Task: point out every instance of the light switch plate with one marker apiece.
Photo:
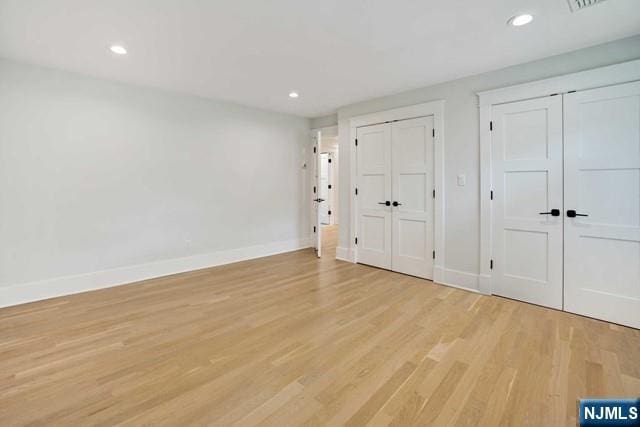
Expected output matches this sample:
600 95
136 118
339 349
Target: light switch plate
462 180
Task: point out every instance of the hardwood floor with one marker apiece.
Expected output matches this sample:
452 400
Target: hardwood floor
295 340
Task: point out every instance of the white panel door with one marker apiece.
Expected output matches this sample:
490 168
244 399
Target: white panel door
412 204
374 191
316 190
602 181
526 147
324 189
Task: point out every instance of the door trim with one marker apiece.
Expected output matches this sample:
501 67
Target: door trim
590 79
435 109
315 135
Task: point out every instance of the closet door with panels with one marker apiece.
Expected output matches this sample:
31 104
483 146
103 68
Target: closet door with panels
602 203
374 195
527 200
412 181
395 172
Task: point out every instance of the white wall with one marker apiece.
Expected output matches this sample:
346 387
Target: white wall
98 175
462 204
324 121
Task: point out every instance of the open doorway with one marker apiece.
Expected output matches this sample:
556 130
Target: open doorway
326 192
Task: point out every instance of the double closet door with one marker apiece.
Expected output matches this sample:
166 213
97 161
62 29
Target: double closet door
566 202
395 173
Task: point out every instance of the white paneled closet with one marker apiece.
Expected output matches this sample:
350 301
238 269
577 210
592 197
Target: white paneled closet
395 184
565 208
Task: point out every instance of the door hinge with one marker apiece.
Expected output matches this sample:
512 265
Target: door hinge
356 240
329 160
314 189
329 186
434 194
314 149
314 228
434 254
491 125
491 265
572 91
491 194
356 191
433 132
554 94
329 213
356 142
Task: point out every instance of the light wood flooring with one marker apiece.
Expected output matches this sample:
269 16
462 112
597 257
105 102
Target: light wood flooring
295 340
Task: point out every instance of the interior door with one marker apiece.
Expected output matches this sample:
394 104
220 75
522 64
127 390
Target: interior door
526 147
316 192
324 189
374 195
412 204
602 202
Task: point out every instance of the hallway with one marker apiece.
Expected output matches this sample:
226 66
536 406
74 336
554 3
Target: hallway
329 241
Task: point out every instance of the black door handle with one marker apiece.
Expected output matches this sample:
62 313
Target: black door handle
396 204
572 214
387 203
318 200
552 212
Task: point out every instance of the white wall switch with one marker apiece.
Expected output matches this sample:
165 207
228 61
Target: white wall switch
462 180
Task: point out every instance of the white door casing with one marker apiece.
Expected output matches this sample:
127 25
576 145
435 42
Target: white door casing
433 109
602 180
526 149
582 80
317 198
412 189
374 190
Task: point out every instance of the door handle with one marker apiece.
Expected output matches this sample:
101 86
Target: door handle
572 214
387 203
318 200
396 204
552 212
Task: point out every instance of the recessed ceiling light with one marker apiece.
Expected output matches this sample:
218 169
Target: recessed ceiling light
120 50
520 20
293 94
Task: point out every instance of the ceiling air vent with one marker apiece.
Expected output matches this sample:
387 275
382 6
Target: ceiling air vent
576 5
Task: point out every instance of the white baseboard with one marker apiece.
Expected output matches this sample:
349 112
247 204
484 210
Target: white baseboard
444 276
457 279
345 254
484 284
438 274
67 285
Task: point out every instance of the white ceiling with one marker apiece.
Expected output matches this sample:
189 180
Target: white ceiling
334 52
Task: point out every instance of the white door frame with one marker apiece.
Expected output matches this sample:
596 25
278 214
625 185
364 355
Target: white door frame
317 226
435 109
590 79
315 139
